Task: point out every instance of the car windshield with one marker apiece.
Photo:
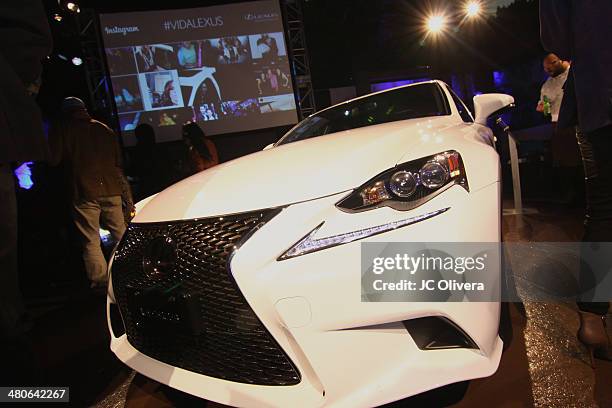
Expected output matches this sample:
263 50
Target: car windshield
410 102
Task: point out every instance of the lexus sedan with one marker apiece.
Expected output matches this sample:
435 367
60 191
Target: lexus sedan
242 283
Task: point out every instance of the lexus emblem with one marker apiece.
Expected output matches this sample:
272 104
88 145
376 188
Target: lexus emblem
159 256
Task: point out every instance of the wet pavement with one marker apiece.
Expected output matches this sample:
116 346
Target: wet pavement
543 364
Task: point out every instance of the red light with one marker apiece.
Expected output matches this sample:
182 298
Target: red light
452 160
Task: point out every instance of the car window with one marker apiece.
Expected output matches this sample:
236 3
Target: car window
465 113
410 102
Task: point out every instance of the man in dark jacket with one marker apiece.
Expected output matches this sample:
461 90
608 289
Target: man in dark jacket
581 31
92 158
25 39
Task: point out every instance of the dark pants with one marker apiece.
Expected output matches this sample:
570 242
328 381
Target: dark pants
19 364
596 152
87 216
11 305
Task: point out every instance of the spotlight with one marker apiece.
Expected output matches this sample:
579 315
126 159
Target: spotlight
69 5
77 61
436 24
473 9
73 7
57 17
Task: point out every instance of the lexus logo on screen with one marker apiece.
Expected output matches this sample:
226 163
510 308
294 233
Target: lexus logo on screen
261 17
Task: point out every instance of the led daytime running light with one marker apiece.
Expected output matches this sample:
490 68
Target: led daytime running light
309 244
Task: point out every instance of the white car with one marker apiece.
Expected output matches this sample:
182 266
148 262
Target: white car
241 284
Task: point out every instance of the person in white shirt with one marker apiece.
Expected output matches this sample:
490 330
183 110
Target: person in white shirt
551 94
564 150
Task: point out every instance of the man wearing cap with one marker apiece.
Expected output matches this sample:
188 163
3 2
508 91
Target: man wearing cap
92 158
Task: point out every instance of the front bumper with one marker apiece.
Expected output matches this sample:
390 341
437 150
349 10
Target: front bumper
349 353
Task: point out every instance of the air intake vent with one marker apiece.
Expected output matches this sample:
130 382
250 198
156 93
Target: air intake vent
436 333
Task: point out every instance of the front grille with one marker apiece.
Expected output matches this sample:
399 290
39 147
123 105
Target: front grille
184 308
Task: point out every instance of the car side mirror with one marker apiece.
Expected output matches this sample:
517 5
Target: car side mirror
486 105
271 145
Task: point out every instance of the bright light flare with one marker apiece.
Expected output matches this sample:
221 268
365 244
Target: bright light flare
436 24
73 7
473 9
77 61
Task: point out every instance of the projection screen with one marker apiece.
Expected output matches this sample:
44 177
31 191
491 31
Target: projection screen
225 67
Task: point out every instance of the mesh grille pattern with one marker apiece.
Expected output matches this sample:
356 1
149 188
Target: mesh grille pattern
191 314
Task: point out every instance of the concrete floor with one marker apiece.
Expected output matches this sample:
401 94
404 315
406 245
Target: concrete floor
543 364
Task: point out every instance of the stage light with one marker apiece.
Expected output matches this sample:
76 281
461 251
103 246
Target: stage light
436 24
473 9
57 17
77 61
73 7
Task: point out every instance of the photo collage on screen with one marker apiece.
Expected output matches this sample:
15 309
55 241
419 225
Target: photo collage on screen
211 80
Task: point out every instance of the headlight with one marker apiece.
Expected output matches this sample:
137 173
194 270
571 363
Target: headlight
404 183
408 185
434 175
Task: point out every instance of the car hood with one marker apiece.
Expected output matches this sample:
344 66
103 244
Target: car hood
291 173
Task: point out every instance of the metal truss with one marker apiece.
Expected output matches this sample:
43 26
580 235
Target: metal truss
298 54
98 83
